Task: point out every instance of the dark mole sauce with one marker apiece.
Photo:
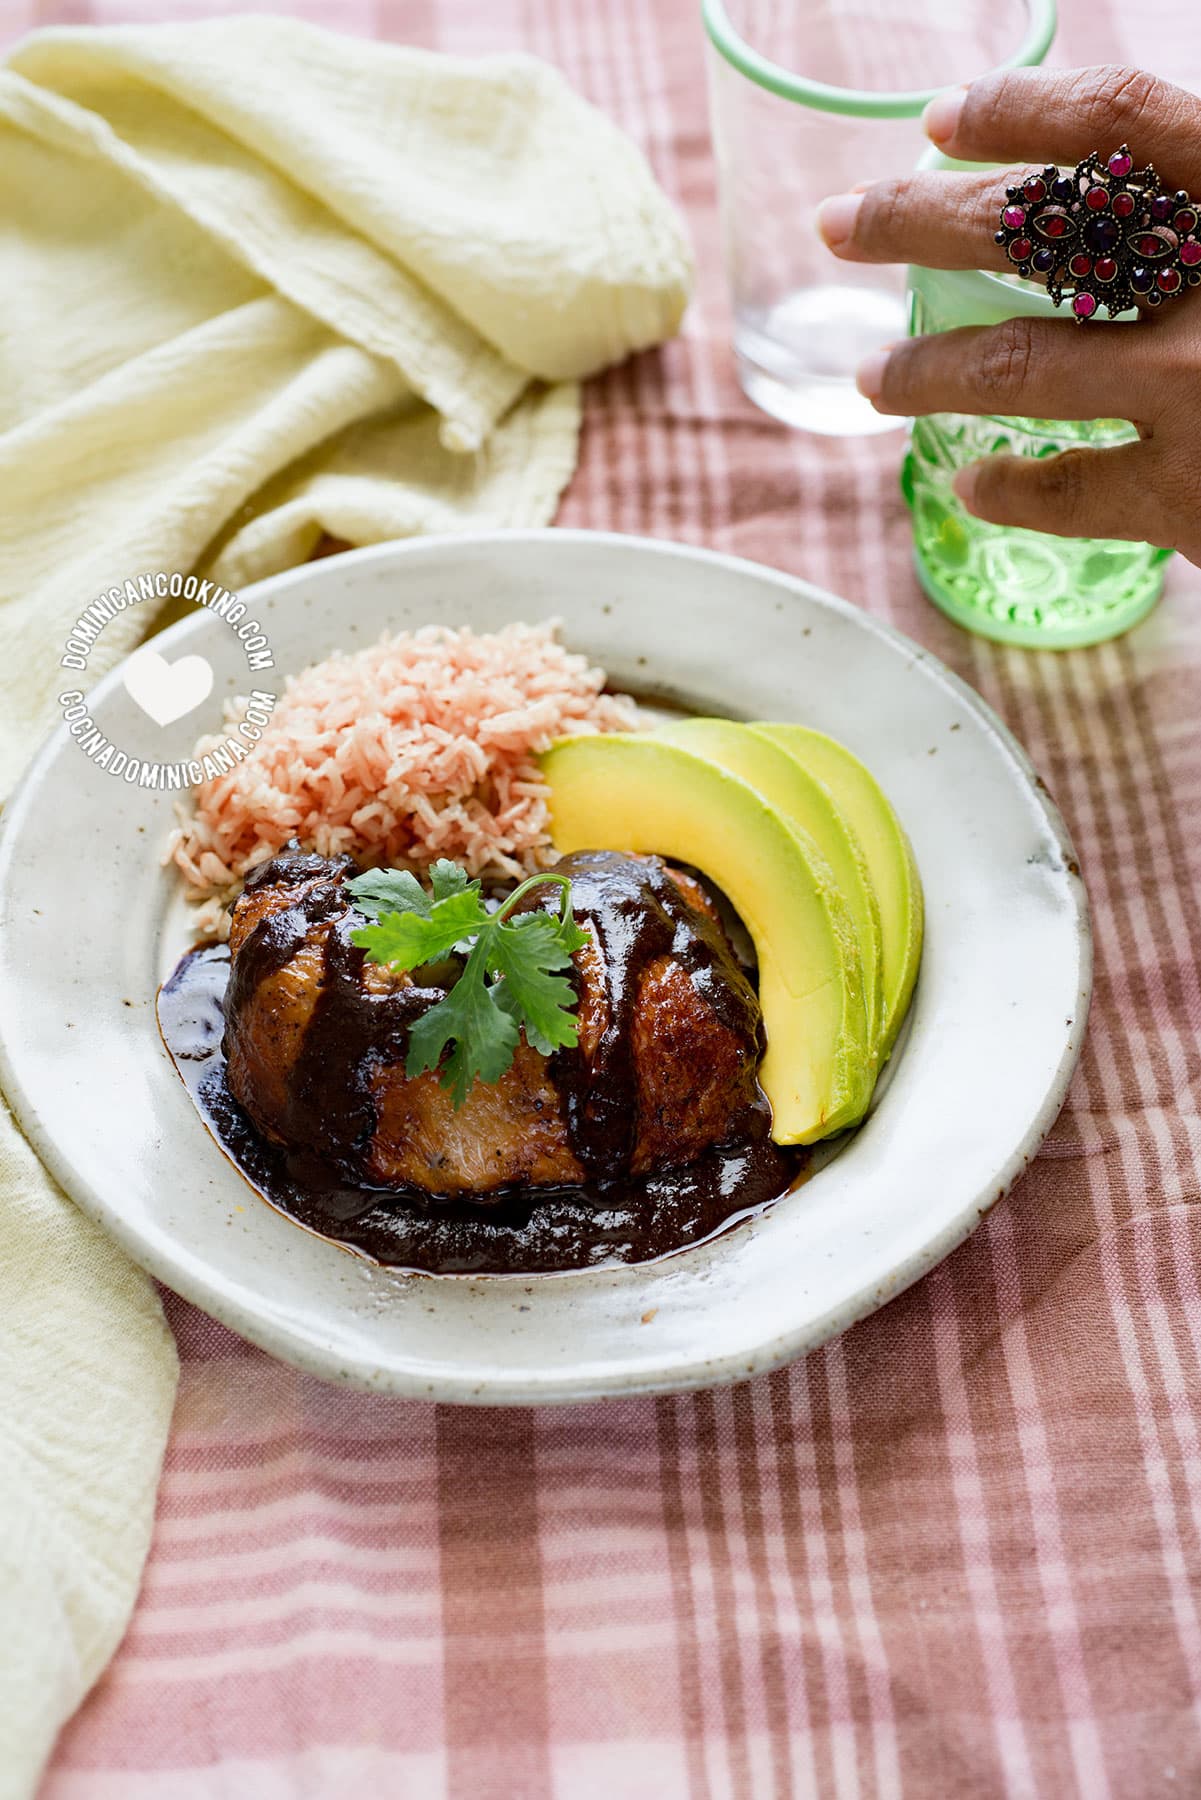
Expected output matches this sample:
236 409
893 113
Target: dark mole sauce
637 913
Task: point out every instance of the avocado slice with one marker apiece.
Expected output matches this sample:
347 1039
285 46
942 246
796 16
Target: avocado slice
889 856
637 793
788 786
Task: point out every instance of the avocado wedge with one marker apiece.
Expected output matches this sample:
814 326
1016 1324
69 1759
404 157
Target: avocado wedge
889 856
788 786
639 793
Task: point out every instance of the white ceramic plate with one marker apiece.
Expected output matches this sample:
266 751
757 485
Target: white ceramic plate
90 923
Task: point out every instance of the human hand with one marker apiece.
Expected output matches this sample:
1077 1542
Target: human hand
1045 368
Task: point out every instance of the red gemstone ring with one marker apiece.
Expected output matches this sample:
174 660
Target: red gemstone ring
1104 234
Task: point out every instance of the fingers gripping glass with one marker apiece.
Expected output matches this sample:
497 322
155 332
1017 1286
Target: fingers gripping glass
1017 587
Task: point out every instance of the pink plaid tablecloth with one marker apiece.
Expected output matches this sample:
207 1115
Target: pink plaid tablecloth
956 1553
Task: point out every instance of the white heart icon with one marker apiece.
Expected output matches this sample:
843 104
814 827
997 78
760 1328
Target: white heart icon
167 691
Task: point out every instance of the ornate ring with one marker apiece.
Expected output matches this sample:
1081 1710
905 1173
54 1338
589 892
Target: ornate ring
1103 234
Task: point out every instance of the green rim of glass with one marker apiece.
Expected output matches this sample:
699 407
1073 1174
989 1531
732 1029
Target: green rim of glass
818 94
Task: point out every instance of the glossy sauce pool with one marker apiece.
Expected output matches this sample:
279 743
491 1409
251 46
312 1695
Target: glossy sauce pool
519 1231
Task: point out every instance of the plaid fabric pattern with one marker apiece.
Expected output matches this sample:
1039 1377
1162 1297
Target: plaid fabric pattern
954 1554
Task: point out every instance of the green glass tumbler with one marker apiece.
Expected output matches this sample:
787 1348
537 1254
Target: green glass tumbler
1019 587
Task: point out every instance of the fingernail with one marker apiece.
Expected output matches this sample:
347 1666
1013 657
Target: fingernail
869 376
964 483
942 115
836 219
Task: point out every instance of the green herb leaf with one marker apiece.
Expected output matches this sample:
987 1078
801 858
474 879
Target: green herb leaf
446 878
382 891
525 951
405 940
482 1017
485 1036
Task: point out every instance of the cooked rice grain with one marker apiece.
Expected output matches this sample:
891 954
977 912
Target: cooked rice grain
422 746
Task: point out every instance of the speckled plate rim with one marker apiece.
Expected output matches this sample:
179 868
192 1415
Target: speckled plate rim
305 1349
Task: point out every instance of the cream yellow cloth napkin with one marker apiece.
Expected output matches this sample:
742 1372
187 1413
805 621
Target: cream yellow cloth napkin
257 282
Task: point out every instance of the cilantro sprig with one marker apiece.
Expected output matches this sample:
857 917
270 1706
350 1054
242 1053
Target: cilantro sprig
510 982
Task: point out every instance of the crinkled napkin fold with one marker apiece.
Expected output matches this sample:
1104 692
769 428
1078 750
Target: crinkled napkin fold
257 282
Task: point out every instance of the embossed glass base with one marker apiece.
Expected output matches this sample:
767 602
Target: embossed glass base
1020 587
